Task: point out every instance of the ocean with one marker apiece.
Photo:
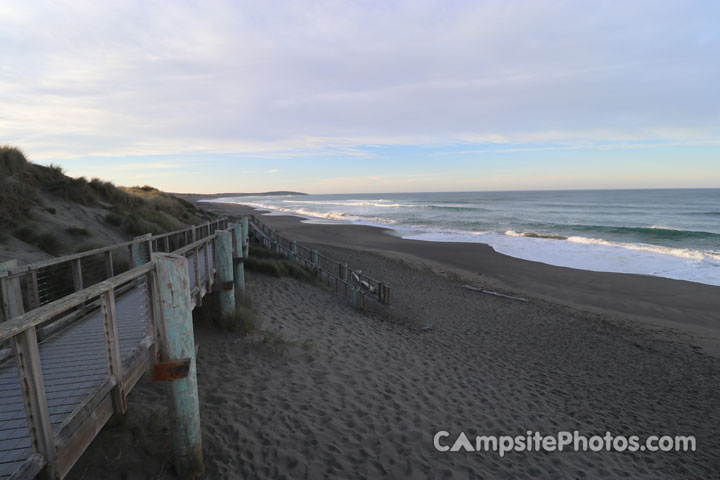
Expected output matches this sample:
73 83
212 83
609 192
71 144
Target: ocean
667 233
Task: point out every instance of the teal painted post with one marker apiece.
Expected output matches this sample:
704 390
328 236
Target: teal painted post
177 342
224 267
238 261
136 250
358 298
315 257
245 237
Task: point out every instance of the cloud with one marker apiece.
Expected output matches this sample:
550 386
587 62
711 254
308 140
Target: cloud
273 171
295 80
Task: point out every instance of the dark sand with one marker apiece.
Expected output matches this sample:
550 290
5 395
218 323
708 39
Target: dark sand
358 395
690 307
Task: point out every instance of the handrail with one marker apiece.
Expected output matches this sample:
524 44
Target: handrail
166 279
24 269
47 312
192 246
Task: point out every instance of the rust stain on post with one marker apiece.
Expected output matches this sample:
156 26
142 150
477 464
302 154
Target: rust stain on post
171 370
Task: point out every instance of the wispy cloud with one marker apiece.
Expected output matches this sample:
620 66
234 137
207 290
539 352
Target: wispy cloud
301 80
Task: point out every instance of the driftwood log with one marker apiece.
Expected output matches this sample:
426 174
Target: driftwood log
482 290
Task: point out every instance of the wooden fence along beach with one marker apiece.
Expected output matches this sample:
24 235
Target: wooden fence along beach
79 332
350 283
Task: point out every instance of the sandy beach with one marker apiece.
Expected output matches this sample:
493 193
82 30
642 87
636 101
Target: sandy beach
688 307
330 392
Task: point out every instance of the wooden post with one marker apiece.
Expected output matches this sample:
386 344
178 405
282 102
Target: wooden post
194 235
112 343
224 267
136 250
77 275
31 376
34 290
208 271
167 244
109 268
196 268
294 249
245 237
315 259
238 261
177 342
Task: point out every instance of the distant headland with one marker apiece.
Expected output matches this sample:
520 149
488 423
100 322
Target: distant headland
206 196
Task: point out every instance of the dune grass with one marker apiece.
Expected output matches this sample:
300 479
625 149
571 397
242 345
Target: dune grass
28 191
78 232
47 241
243 321
263 260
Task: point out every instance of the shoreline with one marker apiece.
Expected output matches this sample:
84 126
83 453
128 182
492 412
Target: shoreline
323 390
690 307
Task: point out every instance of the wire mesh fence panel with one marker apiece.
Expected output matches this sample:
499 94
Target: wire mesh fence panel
120 260
201 264
2 310
191 268
55 282
94 269
133 317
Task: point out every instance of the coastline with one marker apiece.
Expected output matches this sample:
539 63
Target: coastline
690 307
341 393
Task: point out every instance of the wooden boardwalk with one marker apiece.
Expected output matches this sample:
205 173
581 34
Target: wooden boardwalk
75 364
84 335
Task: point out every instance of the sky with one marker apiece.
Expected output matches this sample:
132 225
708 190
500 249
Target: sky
364 96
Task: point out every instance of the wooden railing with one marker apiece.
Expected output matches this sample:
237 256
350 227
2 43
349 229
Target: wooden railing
49 280
351 283
145 315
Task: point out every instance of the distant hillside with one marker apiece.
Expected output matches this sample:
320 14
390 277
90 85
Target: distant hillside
43 212
207 196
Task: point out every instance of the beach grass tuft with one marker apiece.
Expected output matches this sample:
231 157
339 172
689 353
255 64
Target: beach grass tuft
275 343
78 232
262 260
50 243
113 219
46 241
243 321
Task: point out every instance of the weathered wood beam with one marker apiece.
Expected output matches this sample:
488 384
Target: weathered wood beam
112 343
27 356
35 317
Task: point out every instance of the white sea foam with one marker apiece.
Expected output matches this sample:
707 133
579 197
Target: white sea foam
574 251
352 203
597 255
